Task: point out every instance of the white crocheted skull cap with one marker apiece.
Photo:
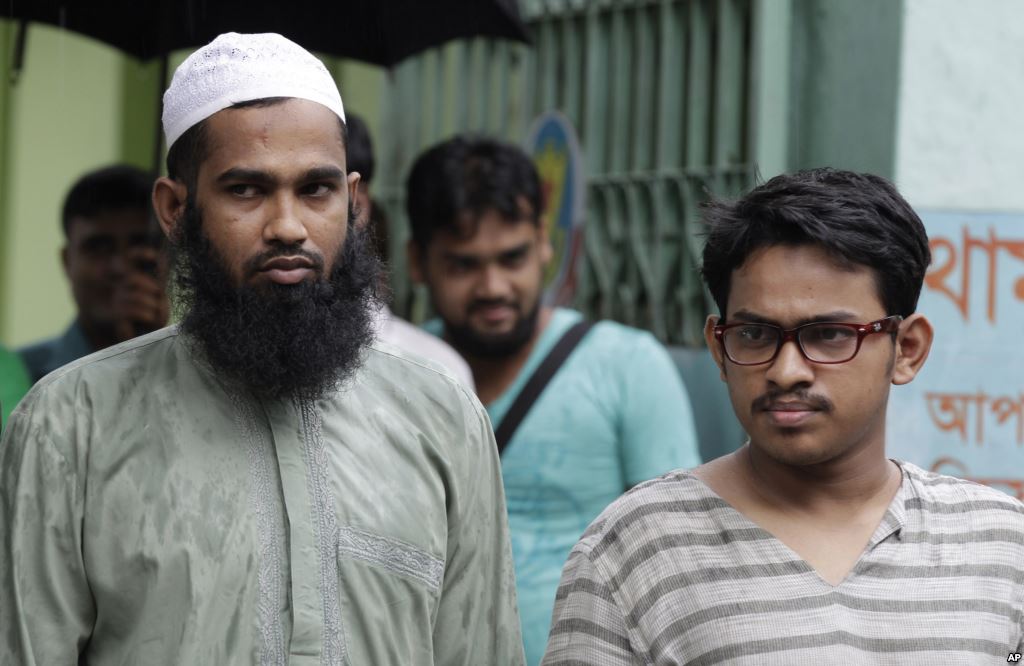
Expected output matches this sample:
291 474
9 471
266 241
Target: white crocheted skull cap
237 68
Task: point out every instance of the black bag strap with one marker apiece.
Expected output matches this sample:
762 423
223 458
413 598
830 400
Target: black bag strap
538 380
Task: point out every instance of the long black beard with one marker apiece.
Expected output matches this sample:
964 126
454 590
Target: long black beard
278 341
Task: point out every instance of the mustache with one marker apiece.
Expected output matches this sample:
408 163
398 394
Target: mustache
483 303
814 401
253 265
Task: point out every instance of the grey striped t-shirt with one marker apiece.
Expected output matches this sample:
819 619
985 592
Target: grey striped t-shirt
672 574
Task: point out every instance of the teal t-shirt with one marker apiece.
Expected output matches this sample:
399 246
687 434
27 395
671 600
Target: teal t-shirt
14 383
614 414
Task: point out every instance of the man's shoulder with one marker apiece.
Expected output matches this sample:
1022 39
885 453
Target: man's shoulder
619 331
128 352
423 345
602 329
101 379
675 502
425 396
950 496
615 342
396 369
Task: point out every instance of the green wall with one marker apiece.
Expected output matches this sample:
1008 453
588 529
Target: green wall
844 83
361 87
6 36
64 116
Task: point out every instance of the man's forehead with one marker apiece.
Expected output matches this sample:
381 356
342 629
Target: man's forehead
791 258
802 281
273 115
487 233
296 133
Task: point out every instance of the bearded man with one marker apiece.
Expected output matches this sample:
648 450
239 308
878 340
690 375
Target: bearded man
613 411
260 484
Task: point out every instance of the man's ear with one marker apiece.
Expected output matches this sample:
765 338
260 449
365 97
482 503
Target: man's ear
353 185
169 199
360 202
64 258
415 258
712 343
913 342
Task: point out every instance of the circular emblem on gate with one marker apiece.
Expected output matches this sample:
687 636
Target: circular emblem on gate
555 151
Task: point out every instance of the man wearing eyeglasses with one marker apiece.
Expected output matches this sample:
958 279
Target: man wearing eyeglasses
807 545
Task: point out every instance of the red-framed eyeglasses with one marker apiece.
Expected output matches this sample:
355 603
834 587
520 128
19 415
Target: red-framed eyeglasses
827 342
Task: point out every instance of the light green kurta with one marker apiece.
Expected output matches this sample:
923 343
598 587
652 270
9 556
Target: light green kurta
150 515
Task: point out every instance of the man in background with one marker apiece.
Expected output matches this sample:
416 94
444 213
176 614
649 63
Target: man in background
114 260
614 413
808 545
391 328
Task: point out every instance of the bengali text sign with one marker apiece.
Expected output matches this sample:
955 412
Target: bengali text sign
964 414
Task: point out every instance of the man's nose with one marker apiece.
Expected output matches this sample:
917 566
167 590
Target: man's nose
121 261
493 282
790 367
284 224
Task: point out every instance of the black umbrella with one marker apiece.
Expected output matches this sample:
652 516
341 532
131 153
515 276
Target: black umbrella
382 32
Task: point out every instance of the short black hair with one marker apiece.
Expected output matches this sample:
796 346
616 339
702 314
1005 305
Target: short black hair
858 218
111 188
359 153
463 178
190 150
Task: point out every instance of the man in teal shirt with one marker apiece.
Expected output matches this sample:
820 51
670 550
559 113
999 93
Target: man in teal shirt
613 415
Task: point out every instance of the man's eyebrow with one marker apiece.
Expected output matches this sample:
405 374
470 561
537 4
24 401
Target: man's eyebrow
96 236
833 316
324 173
448 255
511 253
246 175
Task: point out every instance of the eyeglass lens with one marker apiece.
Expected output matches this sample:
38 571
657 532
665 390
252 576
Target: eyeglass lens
824 343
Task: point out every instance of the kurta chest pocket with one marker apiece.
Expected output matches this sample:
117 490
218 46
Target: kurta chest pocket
390 555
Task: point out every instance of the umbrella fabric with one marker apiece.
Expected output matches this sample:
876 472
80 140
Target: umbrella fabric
381 32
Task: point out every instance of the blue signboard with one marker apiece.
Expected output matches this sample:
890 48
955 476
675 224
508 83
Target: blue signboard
964 414
553 146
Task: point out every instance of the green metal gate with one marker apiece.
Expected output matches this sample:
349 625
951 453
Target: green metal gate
667 97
